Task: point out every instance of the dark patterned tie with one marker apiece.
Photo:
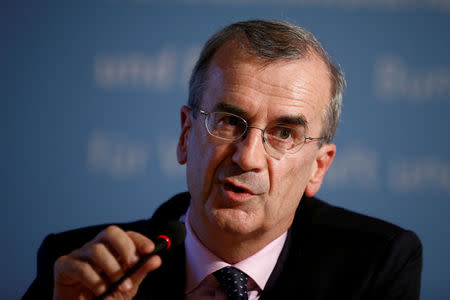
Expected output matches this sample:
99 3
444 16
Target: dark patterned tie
234 283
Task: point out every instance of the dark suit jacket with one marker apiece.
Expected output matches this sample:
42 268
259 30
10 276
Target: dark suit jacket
330 253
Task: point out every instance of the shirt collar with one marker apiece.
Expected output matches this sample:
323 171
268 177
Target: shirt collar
200 262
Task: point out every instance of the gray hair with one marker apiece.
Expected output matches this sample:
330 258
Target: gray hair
271 41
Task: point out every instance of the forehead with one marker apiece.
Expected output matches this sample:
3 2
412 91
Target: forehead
300 86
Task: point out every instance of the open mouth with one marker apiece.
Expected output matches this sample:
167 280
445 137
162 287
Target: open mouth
231 187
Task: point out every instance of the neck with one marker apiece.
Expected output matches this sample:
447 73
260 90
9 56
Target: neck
233 247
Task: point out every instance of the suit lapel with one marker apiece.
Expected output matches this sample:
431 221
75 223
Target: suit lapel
169 280
285 279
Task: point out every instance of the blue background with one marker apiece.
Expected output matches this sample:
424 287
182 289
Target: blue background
90 95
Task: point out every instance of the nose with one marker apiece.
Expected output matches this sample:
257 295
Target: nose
250 153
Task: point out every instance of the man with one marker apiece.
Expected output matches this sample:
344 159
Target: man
256 138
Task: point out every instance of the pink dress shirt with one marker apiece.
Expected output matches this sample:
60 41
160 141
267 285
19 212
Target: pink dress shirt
201 263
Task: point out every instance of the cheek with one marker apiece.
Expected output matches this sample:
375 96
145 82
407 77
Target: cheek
204 157
288 182
198 156
290 174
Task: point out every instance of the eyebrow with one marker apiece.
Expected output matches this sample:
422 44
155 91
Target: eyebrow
299 120
296 120
230 108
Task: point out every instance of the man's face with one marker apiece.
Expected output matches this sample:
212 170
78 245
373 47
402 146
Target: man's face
238 190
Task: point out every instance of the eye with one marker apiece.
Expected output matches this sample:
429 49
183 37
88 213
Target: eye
223 119
283 137
284 133
231 120
226 125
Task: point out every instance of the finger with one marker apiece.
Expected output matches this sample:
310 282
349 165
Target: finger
103 261
121 244
70 271
131 284
126 285
143 246
142 243
152 264
85 295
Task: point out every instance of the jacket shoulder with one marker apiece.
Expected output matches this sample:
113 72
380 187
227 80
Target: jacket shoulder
354 255
56 245
76 238
325 217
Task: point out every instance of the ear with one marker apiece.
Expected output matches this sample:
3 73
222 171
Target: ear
183 141
323 161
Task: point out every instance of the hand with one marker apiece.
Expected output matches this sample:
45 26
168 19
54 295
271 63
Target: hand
87 272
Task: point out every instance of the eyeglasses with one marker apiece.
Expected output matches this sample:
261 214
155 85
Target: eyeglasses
277 139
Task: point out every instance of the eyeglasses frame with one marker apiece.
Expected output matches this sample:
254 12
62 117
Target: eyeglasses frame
264 139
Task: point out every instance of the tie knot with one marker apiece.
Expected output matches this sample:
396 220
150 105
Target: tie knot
234 282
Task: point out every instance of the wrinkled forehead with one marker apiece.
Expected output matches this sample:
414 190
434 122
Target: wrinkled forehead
232 65
233 57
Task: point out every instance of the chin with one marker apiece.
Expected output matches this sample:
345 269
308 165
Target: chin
235 221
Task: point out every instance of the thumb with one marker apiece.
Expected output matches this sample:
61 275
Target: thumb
129 287
143 246
152 264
